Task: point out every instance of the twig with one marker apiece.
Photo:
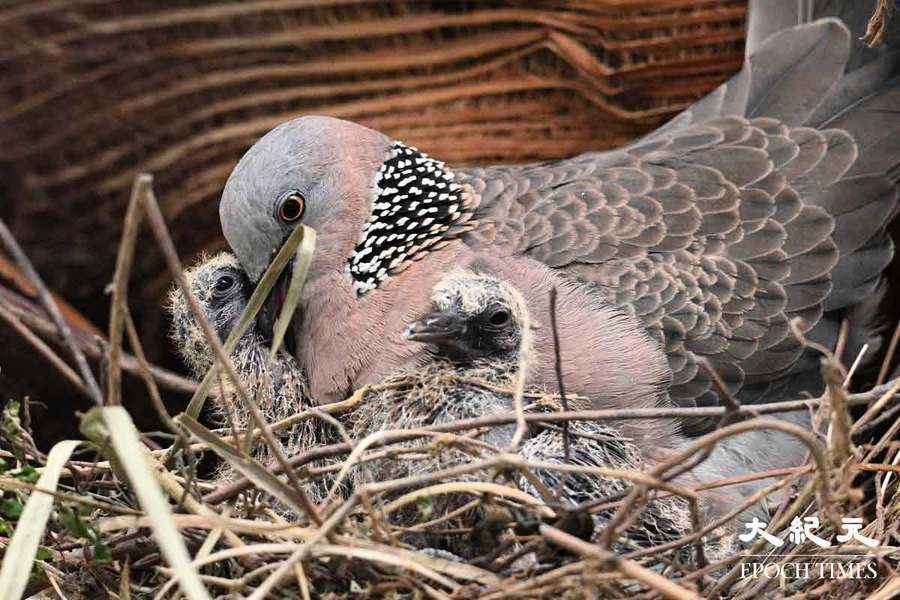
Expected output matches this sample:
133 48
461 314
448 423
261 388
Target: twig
526 347
152 389
729 578
9 483
878 23
732 406
233 489
299 555
559 374
796 325
173 488
889 436
843 336
45 350
124 260
876 408
885 417
52 309
623 514
856 362
95 349
627 567
841 444
698 534
889 355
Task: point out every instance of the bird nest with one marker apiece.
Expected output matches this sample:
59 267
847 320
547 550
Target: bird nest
129 514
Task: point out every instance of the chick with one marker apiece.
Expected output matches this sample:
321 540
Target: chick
478 330
222 290
476 318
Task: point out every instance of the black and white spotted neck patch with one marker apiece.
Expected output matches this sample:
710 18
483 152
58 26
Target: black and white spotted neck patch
416 204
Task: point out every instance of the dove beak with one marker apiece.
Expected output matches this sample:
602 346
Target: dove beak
283 280
271 308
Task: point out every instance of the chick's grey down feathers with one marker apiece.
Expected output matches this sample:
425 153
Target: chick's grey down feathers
764 203
222 290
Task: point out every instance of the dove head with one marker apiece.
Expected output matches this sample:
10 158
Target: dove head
474 317
375 204
222 290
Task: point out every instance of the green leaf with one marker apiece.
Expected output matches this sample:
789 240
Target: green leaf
12 409
101 552
27 474
71 520
43 553
11 509
426 509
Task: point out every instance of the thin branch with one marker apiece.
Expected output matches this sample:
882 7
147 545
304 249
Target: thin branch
45 350
49 304
559 374
152 389
625 566
526 348
96 350
124 261
840 441
889 355
233 489
877 25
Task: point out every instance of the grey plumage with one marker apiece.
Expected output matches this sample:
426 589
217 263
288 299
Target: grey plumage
719 233
765 202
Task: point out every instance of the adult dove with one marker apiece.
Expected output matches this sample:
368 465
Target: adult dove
764 203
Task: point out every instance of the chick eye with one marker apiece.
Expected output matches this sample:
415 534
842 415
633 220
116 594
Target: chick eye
291 207
224 284
499 317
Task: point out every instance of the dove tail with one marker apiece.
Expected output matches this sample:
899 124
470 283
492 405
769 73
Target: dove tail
804 58
767 17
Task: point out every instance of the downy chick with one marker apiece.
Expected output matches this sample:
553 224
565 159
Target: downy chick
478 330
222 290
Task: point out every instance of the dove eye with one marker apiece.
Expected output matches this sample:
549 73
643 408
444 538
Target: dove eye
224 284
291 207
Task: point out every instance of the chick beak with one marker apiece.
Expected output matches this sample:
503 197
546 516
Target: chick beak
439 328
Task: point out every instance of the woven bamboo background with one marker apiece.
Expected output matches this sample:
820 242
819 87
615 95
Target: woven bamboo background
94 91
